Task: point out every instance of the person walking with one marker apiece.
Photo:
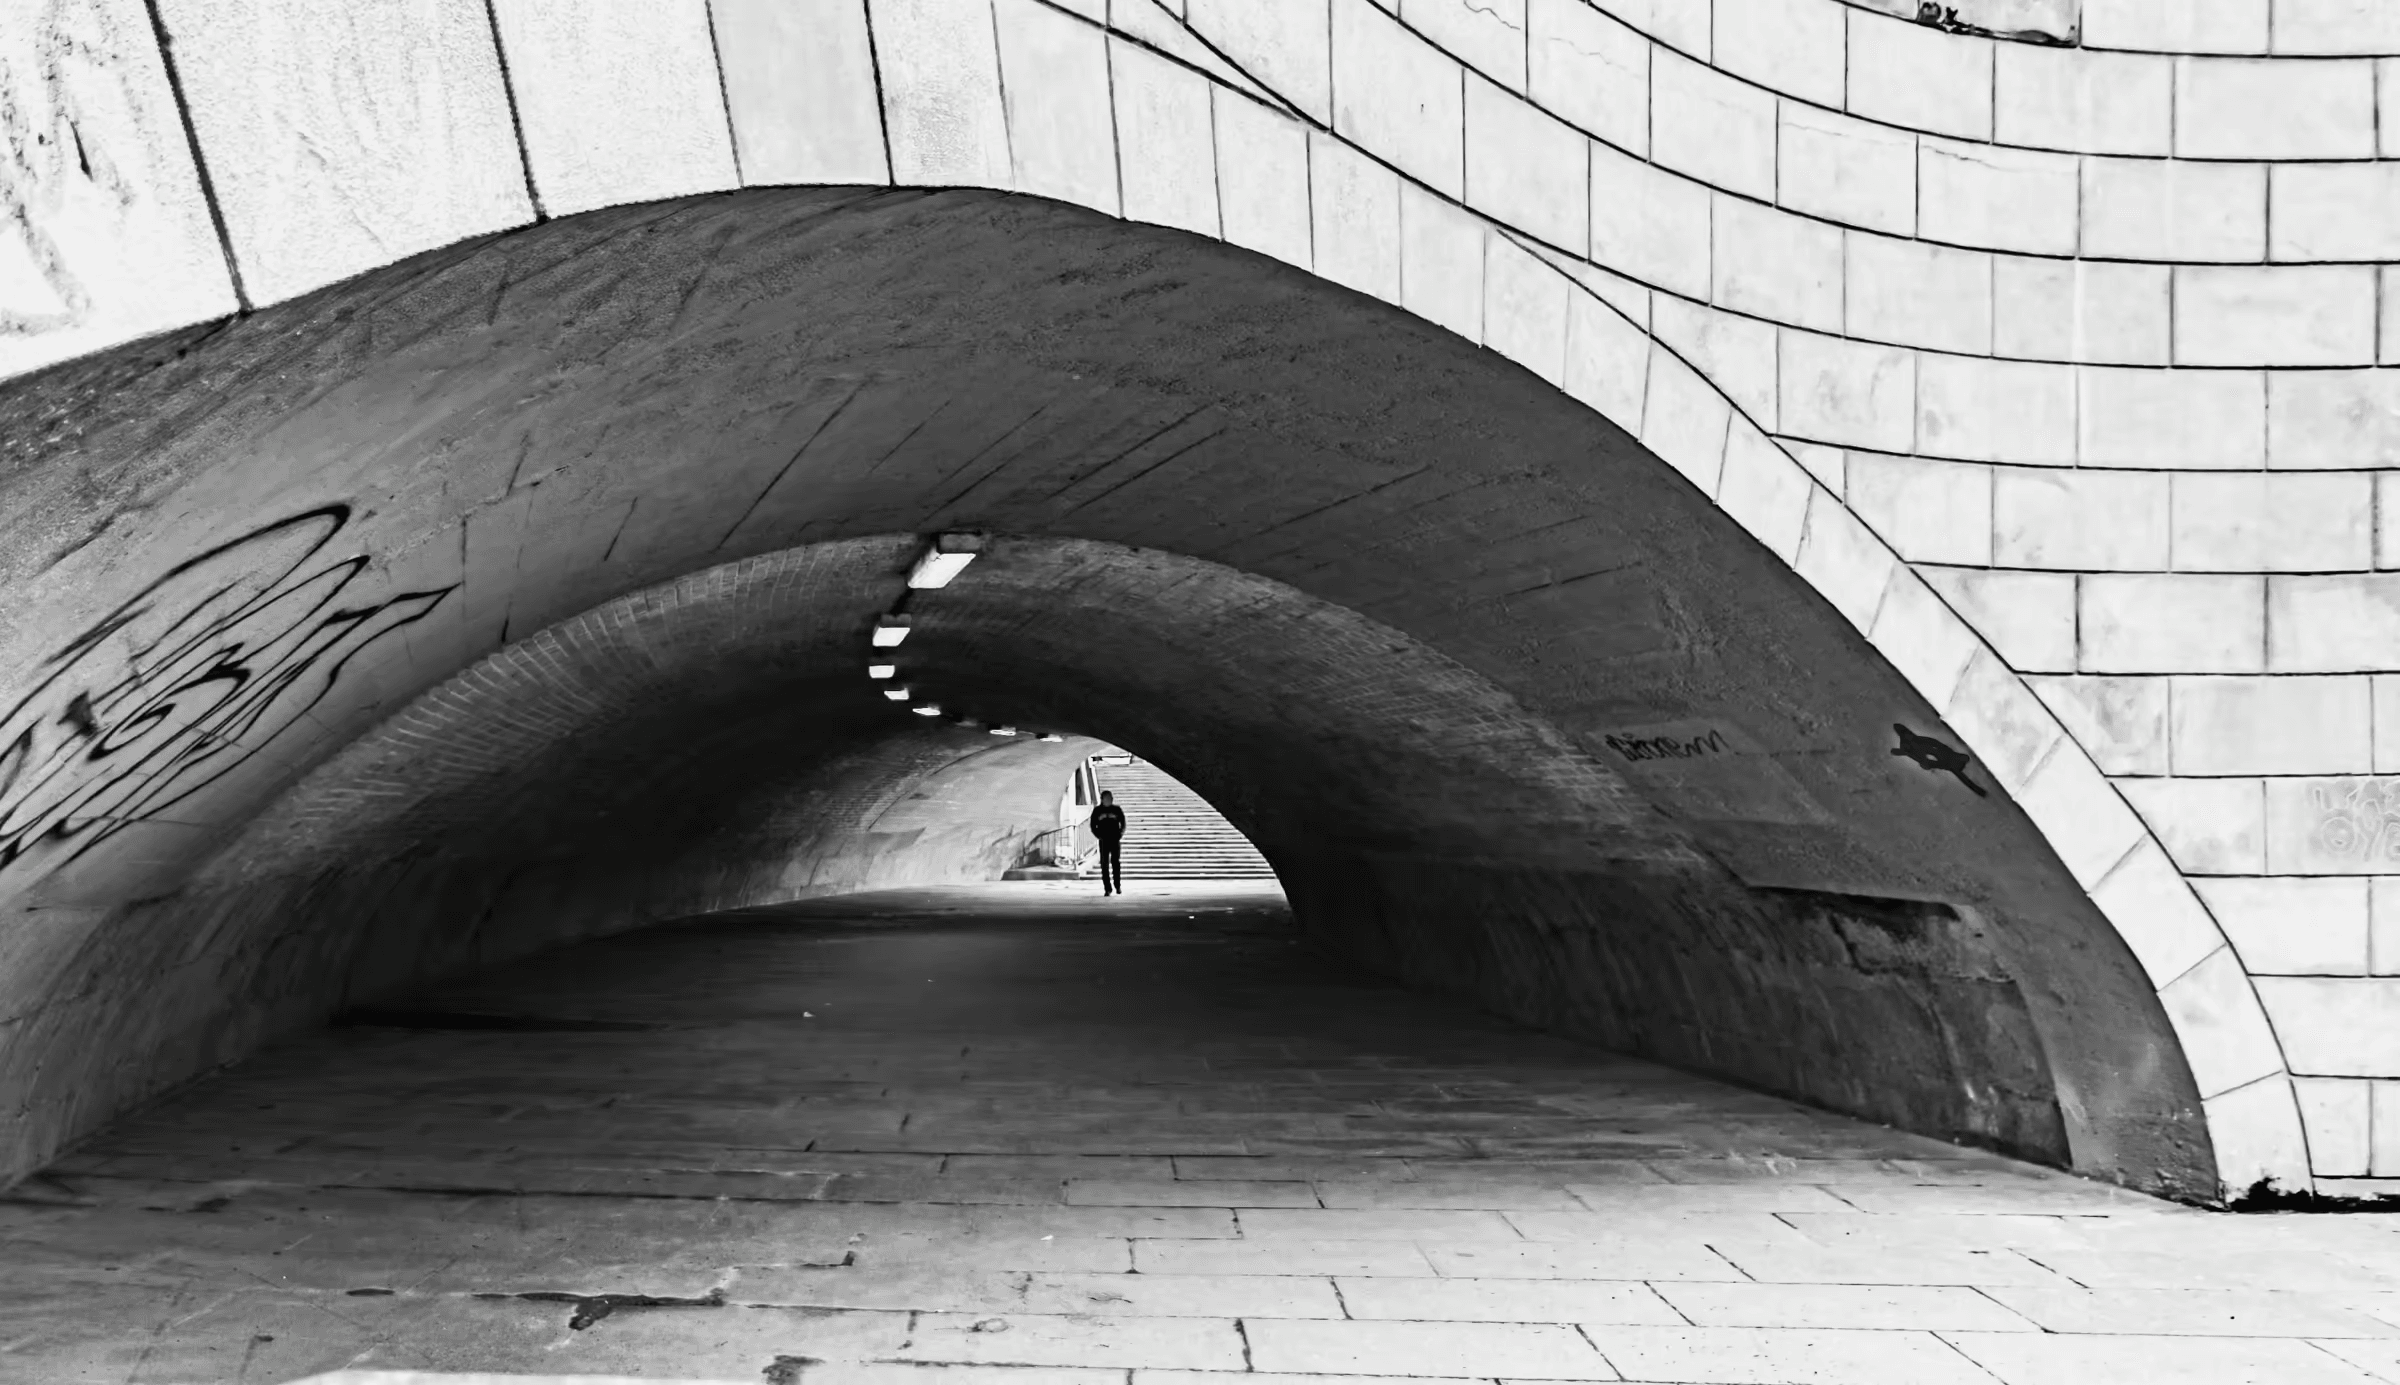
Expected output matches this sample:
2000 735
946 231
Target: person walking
1108 828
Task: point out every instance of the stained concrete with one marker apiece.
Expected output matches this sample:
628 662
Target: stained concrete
1024 1126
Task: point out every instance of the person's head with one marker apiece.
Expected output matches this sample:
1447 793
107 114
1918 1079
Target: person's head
1107 797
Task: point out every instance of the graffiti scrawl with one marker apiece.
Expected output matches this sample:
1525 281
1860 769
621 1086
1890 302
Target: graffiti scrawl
182 685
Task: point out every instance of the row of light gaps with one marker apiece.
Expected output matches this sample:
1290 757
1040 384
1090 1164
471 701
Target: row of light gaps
943 560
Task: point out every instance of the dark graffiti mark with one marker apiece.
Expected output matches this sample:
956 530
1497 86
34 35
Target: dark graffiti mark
184 684
1639 748
1934 757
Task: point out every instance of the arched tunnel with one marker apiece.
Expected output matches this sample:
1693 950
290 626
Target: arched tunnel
519 594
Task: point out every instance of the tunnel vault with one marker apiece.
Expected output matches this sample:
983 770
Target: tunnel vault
518 593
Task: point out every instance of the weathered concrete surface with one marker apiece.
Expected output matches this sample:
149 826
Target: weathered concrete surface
1027 1128
1317 534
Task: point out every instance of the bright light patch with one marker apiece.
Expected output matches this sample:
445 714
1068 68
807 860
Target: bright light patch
946 558
882 670
1052 736
896 694
928 710
890 630
1004 730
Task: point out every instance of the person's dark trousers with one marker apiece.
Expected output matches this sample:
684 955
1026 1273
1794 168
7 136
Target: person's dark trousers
1112 868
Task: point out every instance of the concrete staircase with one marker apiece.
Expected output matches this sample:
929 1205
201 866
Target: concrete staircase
1172 834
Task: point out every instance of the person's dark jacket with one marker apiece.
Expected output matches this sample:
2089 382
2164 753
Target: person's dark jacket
1108 822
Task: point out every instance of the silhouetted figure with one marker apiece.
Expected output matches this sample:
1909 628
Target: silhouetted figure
1108 827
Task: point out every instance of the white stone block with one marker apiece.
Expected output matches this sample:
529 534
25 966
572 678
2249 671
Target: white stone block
2173 209
1525 307
2017 411
2080 815
2226 1037
2336 27
1684 421
1649 223
1487 35
1683 25
1355 204
2314 315
2335 1113
2334 211
1525 169
2387 98
2255 1131
1054 81
1263 179
1397 96
2080 310
2171 623
2275 725
1790 46
2156 914
941 93
2383 928
2336 1026
1846 170
2120 722
2337 623
1711 126
1283 43
800 86
2292 925
1929 511
2209 826
1764 490
2072 520
1830 465
1152 23
1736 354
107 237
2344 826
2333 419
1441 262
1920 78
1915 293
2027 617
2012 732
2180 419
1848 393
2262 108
1169 163
621 104
1996 198
2080 100
1920 636
1592 70
1608 361
1843 560
344 138
2177 26
2238 521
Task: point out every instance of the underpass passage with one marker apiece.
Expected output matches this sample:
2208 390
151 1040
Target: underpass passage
1020 1124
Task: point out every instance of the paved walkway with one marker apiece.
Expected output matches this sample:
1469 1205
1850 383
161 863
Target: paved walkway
1015 1135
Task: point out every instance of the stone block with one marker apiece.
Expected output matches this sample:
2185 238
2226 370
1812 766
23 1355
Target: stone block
2335 27
2080 815
2257 1135
2271 725
1918 634
1736 353
2383 1135
1711 126
1441 262
1649 223
1167 161
619 105
2387 317
2051 517
1592 70
2337 623
800 87
2265 109
2335 211
1608 361
2208 826
2177 26
1526 169
1790 46
1355 211
1525 307
2340 826
1843 559
1830 465
1853 394
2310 315
1846 170
941 92
2082 100
2225 1033
1397 96
2336 1026
2012 732
2333 419
2265 522
1684 421
1774 265
2081 310
2016 411
339 139
1929 511
2173 209
2156 913
1683 25
1054 80
1764 490
1915 293
1285 44
2336 1114
2292 925
1540 1351
2185 420
2387 520
1487 35
2171 623
2120 722
1762 1354
2386 715
2029 617
2387 120
1263 179
1919 78
1995 197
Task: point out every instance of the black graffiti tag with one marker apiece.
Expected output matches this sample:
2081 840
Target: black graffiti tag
184 684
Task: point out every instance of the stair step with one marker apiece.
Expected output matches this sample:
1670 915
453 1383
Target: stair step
1173 833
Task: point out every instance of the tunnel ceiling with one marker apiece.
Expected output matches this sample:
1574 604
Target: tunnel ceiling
1237 510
